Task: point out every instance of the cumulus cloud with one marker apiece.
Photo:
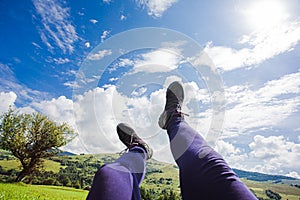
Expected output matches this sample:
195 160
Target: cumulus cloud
156 8
226 148
160 60
98 111
260 45
277 154
7 99
96 119
56 25
243 105
234 156
99 55
60 109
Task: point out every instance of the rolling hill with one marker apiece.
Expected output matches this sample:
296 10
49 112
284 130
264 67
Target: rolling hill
78 171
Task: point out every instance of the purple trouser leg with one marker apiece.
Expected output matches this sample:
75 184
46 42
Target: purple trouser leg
203 172
121 179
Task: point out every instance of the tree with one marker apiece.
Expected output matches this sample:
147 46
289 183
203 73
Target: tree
273 195
32 137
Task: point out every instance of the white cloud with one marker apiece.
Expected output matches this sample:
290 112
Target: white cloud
96 119
87 45
123 17
263 108
60 109
113 79
234 156
104 35
36 45
8 83
99 111
7 99
260 45
139 92
107 1
57 26
94 21
160 60
123 62
226 148
156 8
80 13
293 174
99 55
276 154
72 84
61 60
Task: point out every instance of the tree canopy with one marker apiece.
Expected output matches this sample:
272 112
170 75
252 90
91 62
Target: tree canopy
32 137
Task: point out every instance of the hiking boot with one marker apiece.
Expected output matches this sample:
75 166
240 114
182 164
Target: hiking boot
174 99
129 137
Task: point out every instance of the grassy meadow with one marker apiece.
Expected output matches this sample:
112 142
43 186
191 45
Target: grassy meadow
20 191
160 178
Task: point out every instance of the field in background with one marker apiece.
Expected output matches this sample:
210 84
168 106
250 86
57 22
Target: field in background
18 191
161 177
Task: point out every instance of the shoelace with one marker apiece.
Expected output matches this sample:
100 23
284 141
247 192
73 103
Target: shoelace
130 145
178 111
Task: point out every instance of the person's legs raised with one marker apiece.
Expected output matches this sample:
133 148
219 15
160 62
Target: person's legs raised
204 174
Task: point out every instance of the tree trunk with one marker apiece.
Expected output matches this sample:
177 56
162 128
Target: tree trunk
21 175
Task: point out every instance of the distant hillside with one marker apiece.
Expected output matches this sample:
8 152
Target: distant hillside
256 176
66 153
78 171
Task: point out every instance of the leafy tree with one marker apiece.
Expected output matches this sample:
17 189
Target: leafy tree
145 194
273 195
32 137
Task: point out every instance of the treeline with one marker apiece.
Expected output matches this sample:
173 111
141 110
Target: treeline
271 195
295 185
163 195
73 173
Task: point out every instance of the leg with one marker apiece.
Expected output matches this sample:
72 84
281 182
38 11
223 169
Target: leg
121 179
204 174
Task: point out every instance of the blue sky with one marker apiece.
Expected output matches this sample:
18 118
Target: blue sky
50 49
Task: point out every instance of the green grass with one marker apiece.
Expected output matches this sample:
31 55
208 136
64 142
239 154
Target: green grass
52 166
15 164
9 191
10 164
285 191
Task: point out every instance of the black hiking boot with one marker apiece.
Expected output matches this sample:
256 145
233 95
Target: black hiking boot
174 99
129 137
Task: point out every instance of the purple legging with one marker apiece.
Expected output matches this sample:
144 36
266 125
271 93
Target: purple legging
121 179
203 172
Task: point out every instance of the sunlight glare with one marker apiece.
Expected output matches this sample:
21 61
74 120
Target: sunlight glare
266 13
